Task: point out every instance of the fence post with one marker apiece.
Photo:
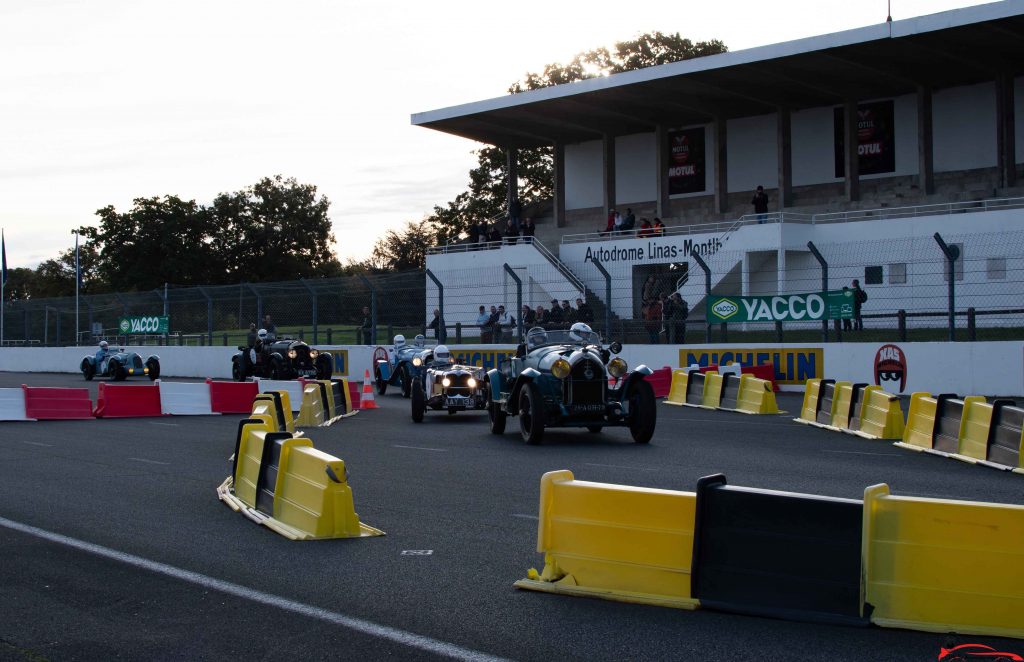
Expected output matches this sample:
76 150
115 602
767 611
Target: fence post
329 333
225 339
209 313
373 313
707 296
607 297
458 333
778 330
824 285
442 331
391 333
312 293
951 253
519 300
901 320
972 332
166 312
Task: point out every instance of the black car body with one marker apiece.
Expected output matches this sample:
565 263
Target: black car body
560 379
446 387
282 359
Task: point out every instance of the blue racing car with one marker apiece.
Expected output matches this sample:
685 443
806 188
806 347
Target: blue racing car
118 365
401 368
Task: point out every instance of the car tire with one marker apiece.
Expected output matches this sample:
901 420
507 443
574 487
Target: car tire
419 401
495 413
324 367
276 368
88 370
382 385
237 372
594 429
403 373
643 411
531 414
116 370
154 368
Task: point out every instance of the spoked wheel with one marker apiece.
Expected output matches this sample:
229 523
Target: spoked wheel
419 401
531 414
382 385
643 412
403 374
154 369
237 373
88 370
495 413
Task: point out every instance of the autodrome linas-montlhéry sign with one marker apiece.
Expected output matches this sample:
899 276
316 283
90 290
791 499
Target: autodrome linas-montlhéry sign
668 248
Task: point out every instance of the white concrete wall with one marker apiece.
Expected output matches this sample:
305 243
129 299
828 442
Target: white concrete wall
813 140
636 177
753 152
584 165
964 127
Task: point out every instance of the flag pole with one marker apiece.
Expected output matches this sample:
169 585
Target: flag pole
78 280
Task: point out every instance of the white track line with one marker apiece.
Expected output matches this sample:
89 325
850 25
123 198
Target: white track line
422 448
865 453
359 625
620 466
36 443
142 459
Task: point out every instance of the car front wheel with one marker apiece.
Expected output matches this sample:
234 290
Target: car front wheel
88 370
116 370
643 411
531 414
403 374
382 385
154 369
495 413
419 401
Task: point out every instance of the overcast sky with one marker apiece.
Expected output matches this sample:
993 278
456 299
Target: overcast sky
105 101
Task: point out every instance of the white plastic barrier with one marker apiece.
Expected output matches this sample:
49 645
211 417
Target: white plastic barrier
294 389
734 369
12 405
185 399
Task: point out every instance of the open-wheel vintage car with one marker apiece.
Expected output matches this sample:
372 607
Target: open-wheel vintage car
445 386
560 379
286 358
119 364
401 368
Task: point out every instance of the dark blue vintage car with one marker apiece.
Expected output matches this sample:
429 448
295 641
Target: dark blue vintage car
118 365
445 385
561 379
403 366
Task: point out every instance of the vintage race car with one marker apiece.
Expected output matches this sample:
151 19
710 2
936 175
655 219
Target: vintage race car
560 379
446 386
402 366
118 365
282 359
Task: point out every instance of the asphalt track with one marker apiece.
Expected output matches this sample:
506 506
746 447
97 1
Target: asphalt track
115 547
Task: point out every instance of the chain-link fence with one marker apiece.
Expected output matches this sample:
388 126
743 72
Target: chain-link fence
327 311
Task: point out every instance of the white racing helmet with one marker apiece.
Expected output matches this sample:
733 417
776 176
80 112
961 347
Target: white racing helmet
399 340
262 334
442 355
103 344
580 331
420 340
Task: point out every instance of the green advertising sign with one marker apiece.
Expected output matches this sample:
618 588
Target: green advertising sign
141 325
813 306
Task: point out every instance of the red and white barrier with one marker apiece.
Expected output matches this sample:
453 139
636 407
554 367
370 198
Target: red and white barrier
660 381
293 387
12 405
232 397
45 403
128 401
185 399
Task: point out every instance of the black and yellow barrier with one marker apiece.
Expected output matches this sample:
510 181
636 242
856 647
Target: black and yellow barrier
713 390
281 481
943 566
880 415
812 400
780 554
689 388
614 541
342 398
933 423
1006 443
281 407
860 409
756 396
314 410
729 398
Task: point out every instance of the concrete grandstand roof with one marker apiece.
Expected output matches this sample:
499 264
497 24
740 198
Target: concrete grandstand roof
952 48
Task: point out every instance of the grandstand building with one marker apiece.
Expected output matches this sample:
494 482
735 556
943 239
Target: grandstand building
869 142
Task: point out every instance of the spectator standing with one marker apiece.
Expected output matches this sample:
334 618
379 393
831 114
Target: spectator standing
677 319
437 324
490 326
629 222
616 223
366 328
250 340
859 297
511 232
610 226
529 230
568 314
540 318
555 316
760 202
650 291
652 319
584 313
529 317
481 321
659 228
494 234
269 326
503 326
646 230
481 231
474 234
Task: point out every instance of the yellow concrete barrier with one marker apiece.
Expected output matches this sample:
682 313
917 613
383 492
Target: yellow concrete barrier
712 395
809 408
943 566
614 541
311 411
881 416
266 411
975 426
756 396
677 391
920 429
286 407
841 402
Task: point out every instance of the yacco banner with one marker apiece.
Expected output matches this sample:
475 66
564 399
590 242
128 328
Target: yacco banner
485 358
140 325
793 365
835 304
876 139
340 357
686 161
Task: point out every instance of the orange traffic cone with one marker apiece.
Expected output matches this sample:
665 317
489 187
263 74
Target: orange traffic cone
366 400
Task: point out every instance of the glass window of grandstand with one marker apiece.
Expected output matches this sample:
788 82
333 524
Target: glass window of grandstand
958 265
873 275
898 273
995 268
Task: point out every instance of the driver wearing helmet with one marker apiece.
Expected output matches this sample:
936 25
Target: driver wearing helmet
420 340
101 354
442 357
399 341
536 336
580 332
257 349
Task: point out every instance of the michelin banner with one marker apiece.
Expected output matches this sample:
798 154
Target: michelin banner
835 304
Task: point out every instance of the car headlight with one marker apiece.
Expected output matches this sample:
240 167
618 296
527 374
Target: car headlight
313 353
560 368
446 382
292 353
617 367
417 361
471 383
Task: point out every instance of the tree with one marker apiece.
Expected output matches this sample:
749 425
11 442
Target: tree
401 251
488 188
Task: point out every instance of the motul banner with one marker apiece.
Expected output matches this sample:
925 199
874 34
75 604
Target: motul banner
686 161
835 304
876 139
141 325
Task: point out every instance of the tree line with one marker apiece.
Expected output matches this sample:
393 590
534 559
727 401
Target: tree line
280 229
